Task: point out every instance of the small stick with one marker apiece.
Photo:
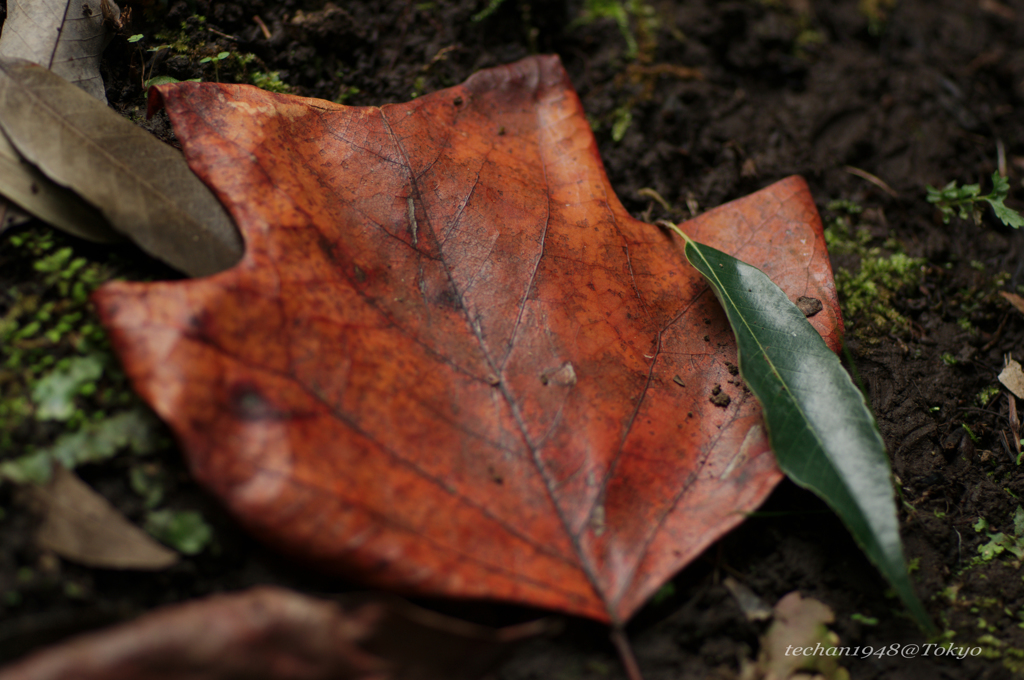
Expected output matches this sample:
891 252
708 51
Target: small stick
629 663
263 26
1014 422
1001 157
211 29
648 192
864 174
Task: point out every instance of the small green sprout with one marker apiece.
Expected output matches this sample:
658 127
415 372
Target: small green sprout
866 620
966 202
135 38
221 56
970 433
491 8
623 119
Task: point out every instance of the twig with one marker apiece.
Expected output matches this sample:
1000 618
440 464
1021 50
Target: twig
211 29
648 192
263 26
996 335
864 174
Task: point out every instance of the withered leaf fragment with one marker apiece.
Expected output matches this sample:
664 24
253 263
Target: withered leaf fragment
274 634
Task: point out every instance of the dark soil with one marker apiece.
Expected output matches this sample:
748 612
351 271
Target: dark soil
919 92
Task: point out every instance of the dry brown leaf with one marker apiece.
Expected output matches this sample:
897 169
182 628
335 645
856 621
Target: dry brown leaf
800 623
451 363
142 186
274 634
1012 377
23 184
11 215
1014 299
81 526
65 36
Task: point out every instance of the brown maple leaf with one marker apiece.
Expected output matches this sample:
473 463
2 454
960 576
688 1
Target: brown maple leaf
450 362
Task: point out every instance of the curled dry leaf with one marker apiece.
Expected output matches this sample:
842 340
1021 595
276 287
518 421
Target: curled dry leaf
142 186
82 526
450 362
274 634
65 36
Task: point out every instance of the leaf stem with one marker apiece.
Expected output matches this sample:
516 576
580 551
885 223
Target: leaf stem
625 651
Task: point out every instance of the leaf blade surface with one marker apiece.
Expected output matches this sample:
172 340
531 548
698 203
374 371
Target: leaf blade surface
446 360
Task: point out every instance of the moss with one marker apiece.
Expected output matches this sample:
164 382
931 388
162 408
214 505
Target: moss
270 81
867 292
58 374
985 396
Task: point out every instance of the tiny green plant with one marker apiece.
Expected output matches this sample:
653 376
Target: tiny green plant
966 201
221 56
970 433
491 8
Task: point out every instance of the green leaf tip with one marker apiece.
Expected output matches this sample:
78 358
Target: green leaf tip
821 431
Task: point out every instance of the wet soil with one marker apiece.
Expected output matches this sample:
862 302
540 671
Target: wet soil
869 101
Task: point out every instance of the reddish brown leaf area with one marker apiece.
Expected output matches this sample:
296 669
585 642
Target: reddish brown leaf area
450 362
274 634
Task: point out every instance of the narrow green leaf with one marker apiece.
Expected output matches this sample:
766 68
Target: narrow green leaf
823 435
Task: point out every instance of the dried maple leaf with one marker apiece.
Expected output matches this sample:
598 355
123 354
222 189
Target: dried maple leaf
450 362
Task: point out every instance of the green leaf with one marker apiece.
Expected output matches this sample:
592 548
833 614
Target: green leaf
965 201
1008 216
823 435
